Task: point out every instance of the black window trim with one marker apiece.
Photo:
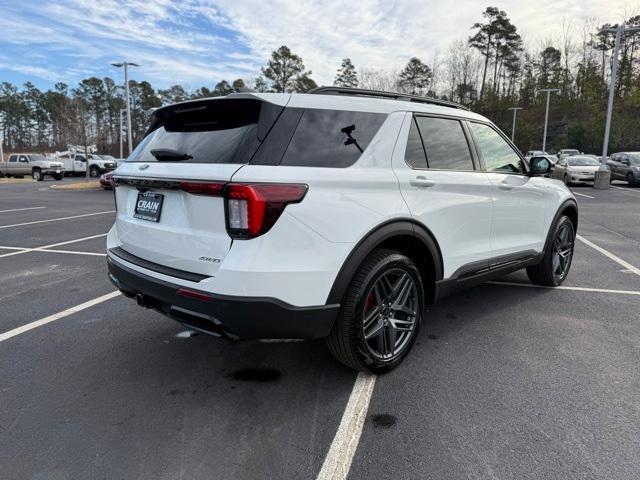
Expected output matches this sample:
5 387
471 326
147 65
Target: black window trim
465 131
506 139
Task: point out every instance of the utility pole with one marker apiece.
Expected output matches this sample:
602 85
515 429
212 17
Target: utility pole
127 99
603 174
122 110
546 116
513 126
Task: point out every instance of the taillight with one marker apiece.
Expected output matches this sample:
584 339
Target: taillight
203 188
252 209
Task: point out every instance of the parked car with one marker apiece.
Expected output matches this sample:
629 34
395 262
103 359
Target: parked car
337 214
625 166
535 153
567 152
576 169
75 162
35 165
105 180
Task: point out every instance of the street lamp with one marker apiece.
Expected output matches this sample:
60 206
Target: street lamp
513 126
122 110
603 174
128 103
546 116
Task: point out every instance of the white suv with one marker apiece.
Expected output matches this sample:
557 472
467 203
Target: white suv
338 214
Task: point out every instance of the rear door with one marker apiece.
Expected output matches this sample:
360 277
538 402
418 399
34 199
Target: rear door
519 201
445 190
168 195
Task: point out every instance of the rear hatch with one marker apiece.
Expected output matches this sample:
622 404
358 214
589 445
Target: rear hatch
166 213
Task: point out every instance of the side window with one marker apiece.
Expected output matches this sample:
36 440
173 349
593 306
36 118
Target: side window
414 154
497 153
80 158
24 159
13 158
331 138
445 144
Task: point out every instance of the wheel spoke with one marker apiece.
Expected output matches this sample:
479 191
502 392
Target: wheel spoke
371 316
391 334
375 330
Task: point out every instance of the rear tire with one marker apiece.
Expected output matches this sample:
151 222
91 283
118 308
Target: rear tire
555 265
380 315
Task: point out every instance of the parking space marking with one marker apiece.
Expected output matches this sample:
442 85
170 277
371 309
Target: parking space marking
45 248
56 219
581 194
56 316
71 252
21 209
625 189
563 287
607 253
343 447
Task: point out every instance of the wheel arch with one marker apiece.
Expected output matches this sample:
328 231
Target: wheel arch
404 235
570 209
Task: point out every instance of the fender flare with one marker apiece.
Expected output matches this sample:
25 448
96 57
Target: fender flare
372 240
561 209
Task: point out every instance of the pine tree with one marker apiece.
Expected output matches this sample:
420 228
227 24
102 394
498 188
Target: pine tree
346 76
415 76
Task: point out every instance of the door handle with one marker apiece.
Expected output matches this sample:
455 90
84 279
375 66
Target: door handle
504 185
421 181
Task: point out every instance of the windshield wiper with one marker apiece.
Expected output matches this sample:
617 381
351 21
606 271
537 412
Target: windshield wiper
169 155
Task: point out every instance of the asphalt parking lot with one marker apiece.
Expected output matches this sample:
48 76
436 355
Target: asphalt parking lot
506 380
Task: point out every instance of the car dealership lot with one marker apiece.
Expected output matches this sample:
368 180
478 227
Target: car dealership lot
506 381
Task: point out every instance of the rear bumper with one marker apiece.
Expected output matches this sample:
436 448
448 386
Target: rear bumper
233 317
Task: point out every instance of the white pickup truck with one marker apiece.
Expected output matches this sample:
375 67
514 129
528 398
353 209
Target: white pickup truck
21 164
75 163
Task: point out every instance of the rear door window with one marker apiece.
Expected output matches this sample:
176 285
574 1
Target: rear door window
445 143
414 154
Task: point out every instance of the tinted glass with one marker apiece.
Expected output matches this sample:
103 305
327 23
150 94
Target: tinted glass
13 158
634 159
497 153
414 154
445 144
331 138
219 131
38 158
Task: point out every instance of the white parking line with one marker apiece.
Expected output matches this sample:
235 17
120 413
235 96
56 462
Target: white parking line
56 219
21 209
56 316
607 253
563 287
72 252
625 189
338 461
46 248
582 194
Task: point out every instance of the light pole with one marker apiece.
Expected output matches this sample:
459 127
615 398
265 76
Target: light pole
127 100
603 174
122 110
513 126
2 138
546 116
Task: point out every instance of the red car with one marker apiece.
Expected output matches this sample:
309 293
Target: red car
105 180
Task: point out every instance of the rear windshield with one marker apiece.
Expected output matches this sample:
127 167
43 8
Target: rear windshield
242 131
220 131
582 162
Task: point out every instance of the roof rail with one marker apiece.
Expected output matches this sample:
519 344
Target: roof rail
382 94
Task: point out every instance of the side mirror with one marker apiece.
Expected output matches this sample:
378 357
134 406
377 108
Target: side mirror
539 166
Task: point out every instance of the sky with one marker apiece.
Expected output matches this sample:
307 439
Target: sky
200 42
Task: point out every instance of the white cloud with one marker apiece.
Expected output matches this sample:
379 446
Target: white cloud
383 34
203 41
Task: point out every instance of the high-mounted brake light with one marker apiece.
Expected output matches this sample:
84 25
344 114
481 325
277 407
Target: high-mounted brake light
252 209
